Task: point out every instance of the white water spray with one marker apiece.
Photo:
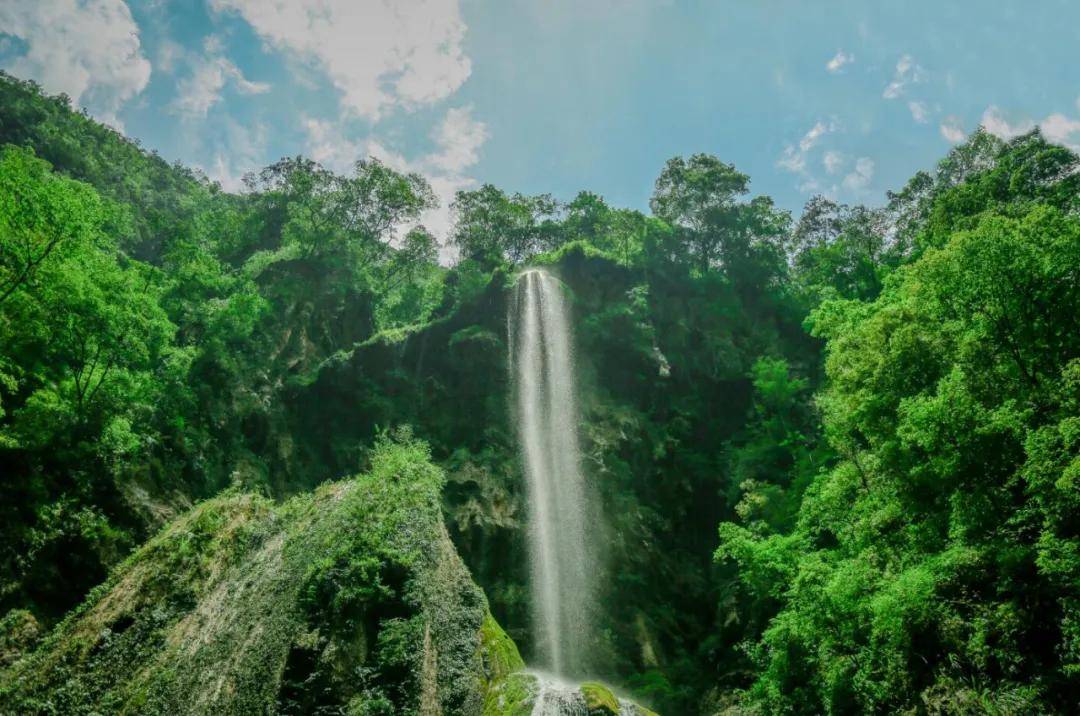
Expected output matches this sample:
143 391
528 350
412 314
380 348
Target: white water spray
556 697
541 362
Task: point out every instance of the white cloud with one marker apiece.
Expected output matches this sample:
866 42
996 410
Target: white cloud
833 162
88 49
907 72
839 60
859 179
952 130
794 157
811 138
197 93
327 146
792 160
1057 127
994 122
242 150
168 55
919 111
1062 130
457 138
381 55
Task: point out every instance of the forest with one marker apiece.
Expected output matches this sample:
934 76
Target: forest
259 450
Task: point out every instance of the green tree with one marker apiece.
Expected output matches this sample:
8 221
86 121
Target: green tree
701 197
841 251
930 565
86 352
492 227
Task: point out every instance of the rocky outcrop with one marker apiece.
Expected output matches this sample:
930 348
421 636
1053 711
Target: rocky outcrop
350 600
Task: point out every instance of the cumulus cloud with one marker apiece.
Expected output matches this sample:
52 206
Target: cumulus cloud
1062 130
907 73
952 130
1056 127
833 162
88 49
861 176
919 111
200 91
380 55
994 121
457 140
328 146
240 149
839 60
792 160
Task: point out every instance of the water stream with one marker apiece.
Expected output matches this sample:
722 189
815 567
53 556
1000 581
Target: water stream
556 697
542 368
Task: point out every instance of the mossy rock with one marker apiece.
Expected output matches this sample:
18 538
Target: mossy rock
599 699
501 656
517 695
513 695
351 600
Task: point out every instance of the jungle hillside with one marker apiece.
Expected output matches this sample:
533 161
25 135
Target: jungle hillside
268 451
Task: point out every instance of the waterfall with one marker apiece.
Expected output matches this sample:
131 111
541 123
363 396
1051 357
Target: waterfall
541 364
555 697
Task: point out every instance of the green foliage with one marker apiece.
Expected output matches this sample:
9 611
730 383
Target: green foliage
879 405
930 568
88 354
492 227
154 191
216 615
149 324
842 252
698 197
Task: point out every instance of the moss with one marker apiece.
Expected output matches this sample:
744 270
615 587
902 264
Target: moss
599 699
477 334
500 653
19 631
511 696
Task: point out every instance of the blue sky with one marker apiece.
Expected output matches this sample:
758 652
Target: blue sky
848 99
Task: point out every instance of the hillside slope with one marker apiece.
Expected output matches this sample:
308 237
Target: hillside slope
352 598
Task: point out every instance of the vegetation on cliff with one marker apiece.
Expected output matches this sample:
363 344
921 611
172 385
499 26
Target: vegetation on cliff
348 600
878 406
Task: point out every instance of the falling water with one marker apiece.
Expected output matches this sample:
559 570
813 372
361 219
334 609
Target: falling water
541 362
556 697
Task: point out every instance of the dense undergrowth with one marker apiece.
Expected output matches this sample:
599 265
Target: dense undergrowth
348 600
877 405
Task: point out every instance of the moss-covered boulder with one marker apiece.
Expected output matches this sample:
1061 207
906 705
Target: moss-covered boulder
524 693
599 700
513 695
350 600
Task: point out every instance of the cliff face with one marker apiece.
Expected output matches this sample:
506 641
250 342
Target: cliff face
349 600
